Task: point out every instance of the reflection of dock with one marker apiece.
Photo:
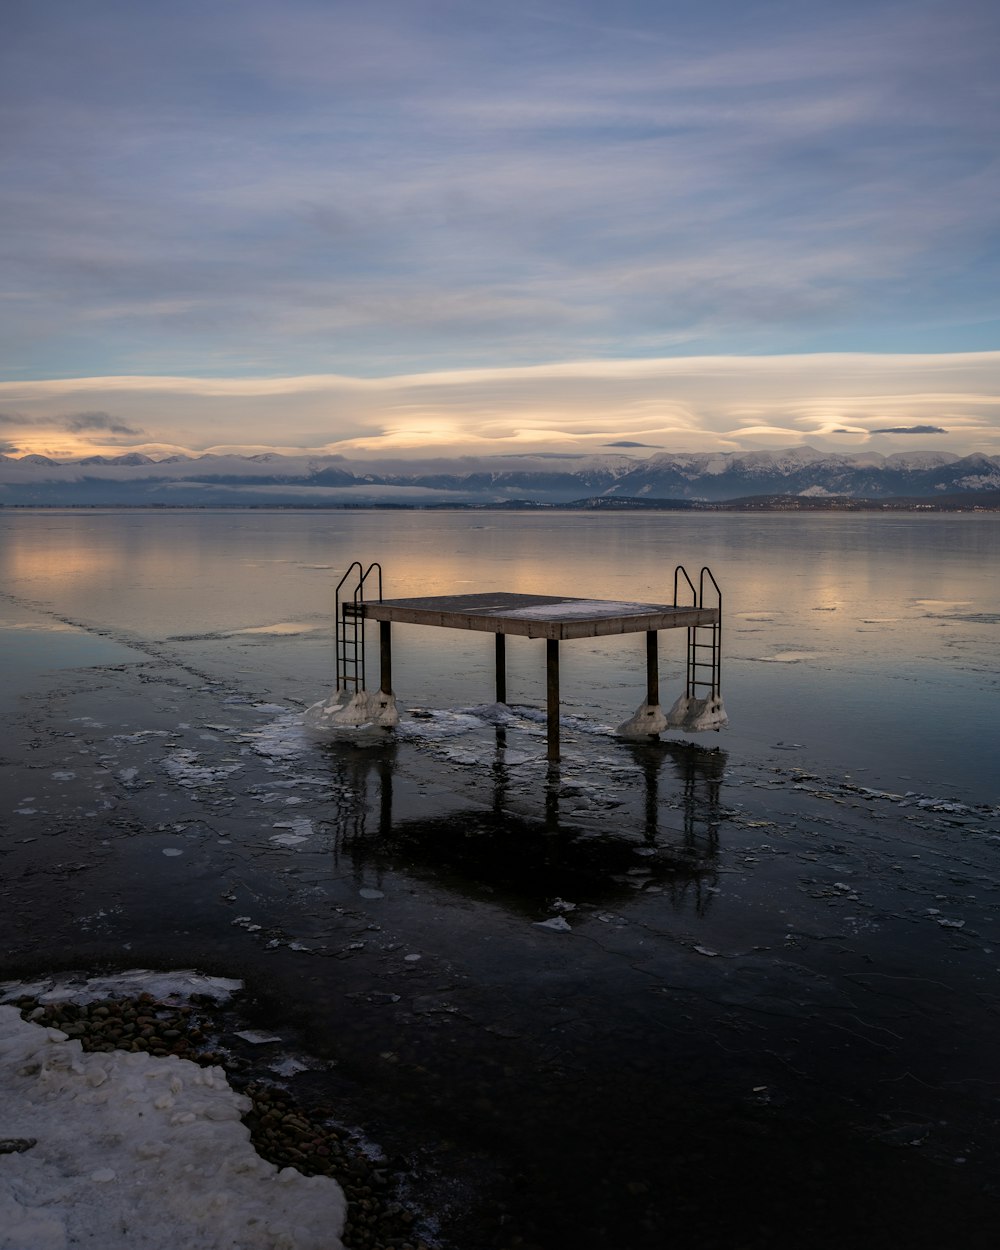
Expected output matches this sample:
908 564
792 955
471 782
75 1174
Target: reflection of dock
554 619
528 845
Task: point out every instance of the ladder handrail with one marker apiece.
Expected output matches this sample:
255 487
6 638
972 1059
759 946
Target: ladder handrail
682 572
364 577
716 629
702 674
353 620
701 587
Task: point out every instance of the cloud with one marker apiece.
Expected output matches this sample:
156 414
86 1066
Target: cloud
388 191
679 403
72 423
86 421
13 421
910 429
55 433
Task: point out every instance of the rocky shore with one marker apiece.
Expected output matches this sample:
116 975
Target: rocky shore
282 1131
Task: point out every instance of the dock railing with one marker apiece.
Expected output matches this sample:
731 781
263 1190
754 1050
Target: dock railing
704 642
349 625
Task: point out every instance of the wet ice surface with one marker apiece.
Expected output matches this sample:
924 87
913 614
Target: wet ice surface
441 915
635 980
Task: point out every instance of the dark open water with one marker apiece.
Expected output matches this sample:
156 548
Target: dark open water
772 1017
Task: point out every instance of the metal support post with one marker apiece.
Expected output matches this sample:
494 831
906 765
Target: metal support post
385 656
501 657
652 669
552 698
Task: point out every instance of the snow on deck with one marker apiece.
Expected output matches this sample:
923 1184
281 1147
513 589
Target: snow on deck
562 609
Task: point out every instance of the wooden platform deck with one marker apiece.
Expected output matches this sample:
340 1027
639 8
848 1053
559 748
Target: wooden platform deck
537 616
550 617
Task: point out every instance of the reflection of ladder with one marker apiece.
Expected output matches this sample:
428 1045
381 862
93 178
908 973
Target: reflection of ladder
704 642
349 626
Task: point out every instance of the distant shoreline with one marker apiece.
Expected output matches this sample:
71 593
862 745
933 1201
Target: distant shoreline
973 501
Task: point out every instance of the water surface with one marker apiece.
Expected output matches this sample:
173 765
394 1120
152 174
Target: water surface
683 992
865 644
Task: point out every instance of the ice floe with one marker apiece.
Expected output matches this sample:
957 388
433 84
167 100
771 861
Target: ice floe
281 628
184 766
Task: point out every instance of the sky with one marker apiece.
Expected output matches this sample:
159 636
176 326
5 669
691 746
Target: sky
425 227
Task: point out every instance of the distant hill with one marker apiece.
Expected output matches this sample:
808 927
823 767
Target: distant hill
671 479
986 500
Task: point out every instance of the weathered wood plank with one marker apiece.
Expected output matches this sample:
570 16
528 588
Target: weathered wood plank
536 616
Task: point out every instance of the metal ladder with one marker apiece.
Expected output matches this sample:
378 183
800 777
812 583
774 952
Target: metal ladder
704 642
349 626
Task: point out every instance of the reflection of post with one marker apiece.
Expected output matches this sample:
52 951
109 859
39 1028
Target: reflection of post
386 767
501 655
500 771
650 765
552 698
385 656
700 773
652 669
364 796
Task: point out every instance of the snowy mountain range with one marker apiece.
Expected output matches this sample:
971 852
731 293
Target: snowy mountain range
214 480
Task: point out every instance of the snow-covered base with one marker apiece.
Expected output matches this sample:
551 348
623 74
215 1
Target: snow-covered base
139 1152
697 715
366 709
648 720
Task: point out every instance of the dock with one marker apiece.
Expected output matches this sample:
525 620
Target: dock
554 619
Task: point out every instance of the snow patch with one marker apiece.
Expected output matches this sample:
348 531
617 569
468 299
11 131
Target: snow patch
73 987
364 710
697 715
647 720
597 608
175 1163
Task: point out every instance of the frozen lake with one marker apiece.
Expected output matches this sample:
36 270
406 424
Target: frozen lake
760 964
865 644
